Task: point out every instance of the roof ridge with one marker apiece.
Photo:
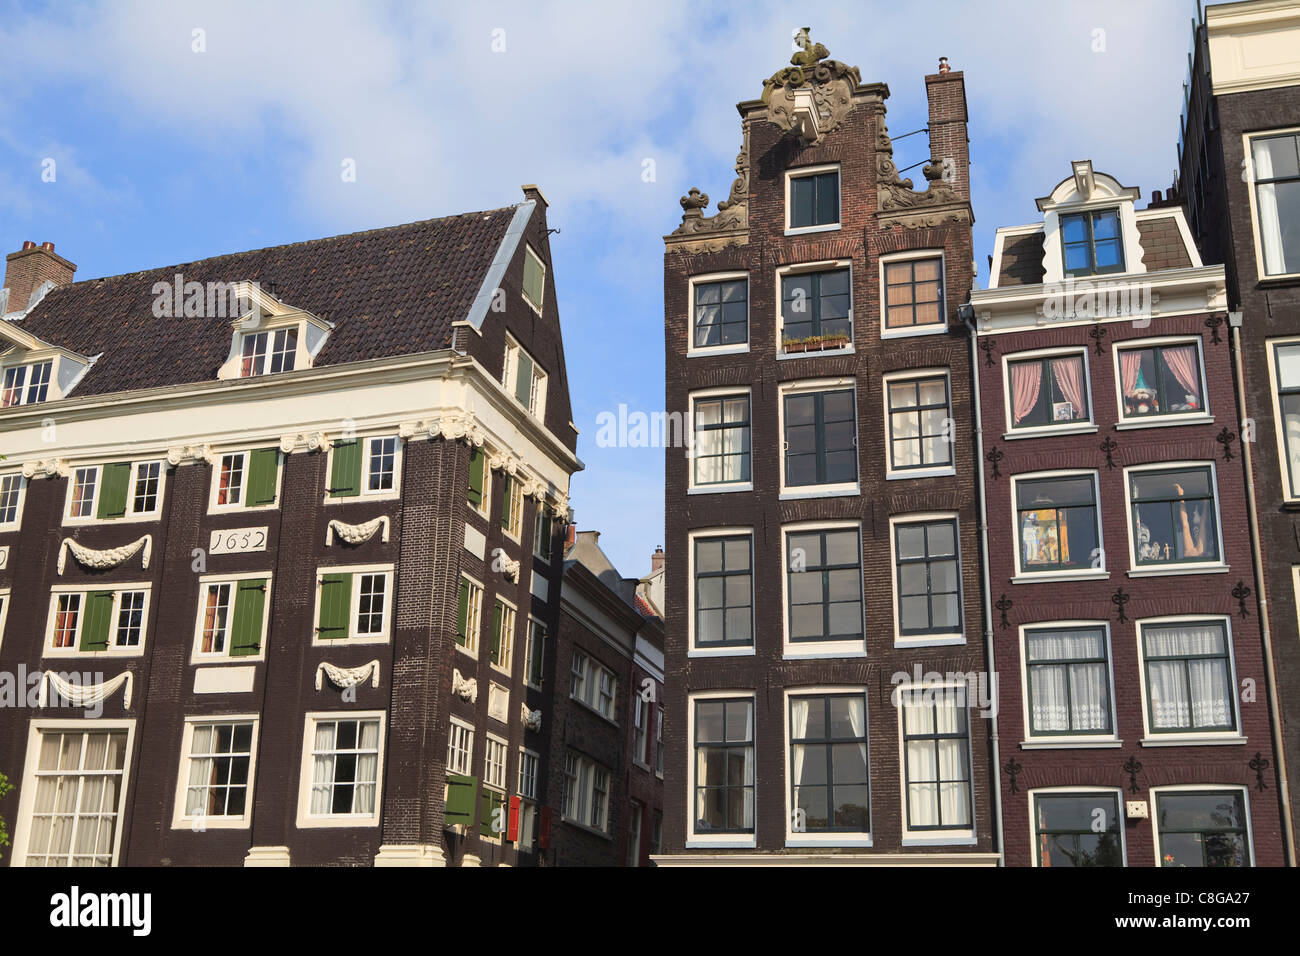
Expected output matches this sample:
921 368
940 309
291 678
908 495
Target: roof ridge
288 245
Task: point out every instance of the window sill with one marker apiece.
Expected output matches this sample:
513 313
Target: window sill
1070 743
104 522
1049 577
65 652
586 829
1164 421
822 650
806 230
795 840
740 841
947 472
587 707
472 654
784 355
1274 281
1175 571
211 823
831 492
720 489
362 497
734 349
311 823
965 839
220 659
348 641
1194 740
746 650
217 510
928 640
1046 431
938 329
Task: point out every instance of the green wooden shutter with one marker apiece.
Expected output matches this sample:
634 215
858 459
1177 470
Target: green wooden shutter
523 377
462 614
496 633
345 479
461 793
262 466
488 801
507 498
533 278
114 480
246 630
98 618
335 606
476 459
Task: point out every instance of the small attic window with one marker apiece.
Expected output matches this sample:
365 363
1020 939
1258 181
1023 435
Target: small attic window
1092 243
263 353
534 279
34 376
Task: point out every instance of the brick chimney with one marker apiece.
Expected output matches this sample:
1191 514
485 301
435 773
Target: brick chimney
29 268
946 92
657 559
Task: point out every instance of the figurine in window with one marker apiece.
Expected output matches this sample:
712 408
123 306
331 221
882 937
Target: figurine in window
1194 529
1142 399
1146 551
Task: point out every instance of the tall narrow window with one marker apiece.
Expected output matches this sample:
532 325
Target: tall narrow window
724 766
1048 391
828 763
1056 520
460 747
1189 677
218 778
469 615
345 767
1069 681
824 585
130 619
15 377
914 294
1161 380
724 591
67 617
216 618
11 496
1277 201
1091 243
1287 365
536 652
230 479
936 757
721 433
920 423
721 313
382 464
79 793
82 502
534 278
816 311
929 578
148 476
1175 516
821 438
503 636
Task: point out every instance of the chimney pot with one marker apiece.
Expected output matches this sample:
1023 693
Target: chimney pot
28 245
30 268
943 64
47 246
657 559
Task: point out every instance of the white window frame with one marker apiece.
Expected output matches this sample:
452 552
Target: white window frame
1249 157
927 640
523 291
803 268
805 650
1011 433
1091 574
49 650
17 522
4 613
1152 738
492 743
181 820
1041 741
893 473
68 518
1123 422
946 837
464 766
543 528
507 636
27 795
735 348
844 838
537 394
484 507
835 490
305 819
592 670
1219 566
131 516
801 172
271 332
353 637
724 487
531 647
1279 422
525 757
246 453
386 494
52 391
586 787
692 649
1063 791
641 710
514 529
711 839
938 328
196 657
473 617
135 480
1195 788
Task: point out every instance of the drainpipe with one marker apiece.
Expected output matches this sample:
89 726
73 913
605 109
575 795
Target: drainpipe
967 314
1234 320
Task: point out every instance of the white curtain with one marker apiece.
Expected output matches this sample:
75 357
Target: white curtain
1068 696
798 727
858 721
749 767
1270 226
363 798
322 768
1192 693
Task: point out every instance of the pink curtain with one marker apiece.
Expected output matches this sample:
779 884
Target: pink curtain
1025 379
1182 360
1069 378
1129 364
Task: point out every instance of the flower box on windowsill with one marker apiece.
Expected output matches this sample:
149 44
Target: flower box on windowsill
816 343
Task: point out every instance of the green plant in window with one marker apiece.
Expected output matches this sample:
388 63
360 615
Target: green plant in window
813 343
5 787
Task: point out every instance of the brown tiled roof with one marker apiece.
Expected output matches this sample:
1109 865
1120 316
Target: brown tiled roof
1162 245
1022 260
392 291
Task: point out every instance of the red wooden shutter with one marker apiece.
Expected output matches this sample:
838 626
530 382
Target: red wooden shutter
512 826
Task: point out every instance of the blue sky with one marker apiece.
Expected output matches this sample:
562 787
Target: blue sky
164 153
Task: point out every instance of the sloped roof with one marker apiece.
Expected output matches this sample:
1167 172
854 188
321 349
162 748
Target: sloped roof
391 291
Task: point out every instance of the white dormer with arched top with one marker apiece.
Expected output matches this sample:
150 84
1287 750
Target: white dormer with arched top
270 336
33 370
1090 227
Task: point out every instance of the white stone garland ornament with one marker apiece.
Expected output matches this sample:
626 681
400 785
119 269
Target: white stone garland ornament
345 677
356 533
466 689
84 695
532 719
102 560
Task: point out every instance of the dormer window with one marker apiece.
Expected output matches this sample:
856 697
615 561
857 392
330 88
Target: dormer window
812 199
268 352
26 384
1091 242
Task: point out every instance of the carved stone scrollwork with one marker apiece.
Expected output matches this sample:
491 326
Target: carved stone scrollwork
732 219
303 441
830 82
504 461
191 455
345 677
532 719
102 560
464 688
46 468
356 533
453 426
509 568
